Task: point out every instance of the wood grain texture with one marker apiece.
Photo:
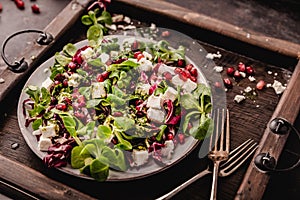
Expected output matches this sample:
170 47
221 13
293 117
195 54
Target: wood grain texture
36 183
255 182
62 22
199 20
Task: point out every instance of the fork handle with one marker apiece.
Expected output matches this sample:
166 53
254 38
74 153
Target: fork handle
213 194
184 185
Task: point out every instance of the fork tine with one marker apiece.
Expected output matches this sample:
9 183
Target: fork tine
227 170
222 130
227 131
213 137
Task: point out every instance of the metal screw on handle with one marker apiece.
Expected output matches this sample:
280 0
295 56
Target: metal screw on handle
266 162
21 65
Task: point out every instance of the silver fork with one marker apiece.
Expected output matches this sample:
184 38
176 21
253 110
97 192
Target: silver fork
219 151
236 158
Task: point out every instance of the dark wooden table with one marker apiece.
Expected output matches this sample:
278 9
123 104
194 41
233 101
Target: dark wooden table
281 186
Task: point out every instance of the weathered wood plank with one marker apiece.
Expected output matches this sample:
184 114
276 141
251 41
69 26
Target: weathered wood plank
63 21
255 182
199 20
36 183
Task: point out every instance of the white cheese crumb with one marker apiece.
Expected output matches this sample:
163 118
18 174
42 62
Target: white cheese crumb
218 68
87 53
165 68
156 115
270 72
167 150
152 26
98 90
145 65
278 87
127 20
140 157
154 102
48 131
44 143
170 93
47 83
36 132
177 81
243 74
74 80
2 80
189 86
257 106
213 55
239 98
269 85
111 27
248 89
251 78
104 57
275 74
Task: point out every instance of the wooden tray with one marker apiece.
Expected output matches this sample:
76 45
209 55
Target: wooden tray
249 183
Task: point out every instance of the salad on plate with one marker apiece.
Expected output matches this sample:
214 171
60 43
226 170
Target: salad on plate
119 105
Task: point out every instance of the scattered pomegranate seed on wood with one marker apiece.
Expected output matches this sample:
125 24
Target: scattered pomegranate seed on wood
260 85
35 8
20 4
1 7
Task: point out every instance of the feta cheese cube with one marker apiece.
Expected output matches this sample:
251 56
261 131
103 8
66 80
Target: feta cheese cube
47 83
278 87
140 157
74 80
189 86
248 89
243 74
154 102
98 90
143 89
170 93
239 98
251 78
48 131
218 68
156 115
145 65
44 143
177 81
87 53
104 57
165 68
36 132
167 150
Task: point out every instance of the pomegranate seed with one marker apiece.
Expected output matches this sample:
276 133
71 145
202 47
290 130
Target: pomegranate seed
260 85
188 74
65 83
20 4
181 138
227 83
61 106
1 7
72 66
140 56
168 75
230 71
100 78
135 55
114 140
249 70
170 136
218 85
165 34
177 70
68 101
194 79
237 74
79 114
105 74
180 63
189 67
241 67
35 8
194 72
155 69
183 76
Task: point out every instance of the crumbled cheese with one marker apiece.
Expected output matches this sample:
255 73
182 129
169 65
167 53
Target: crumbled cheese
170 93
140 157
270 72
127 20
177 81
74 80
269 85
87 53
114 53
111 27
189 86
156 115
243 74
248 89
44 143
165 68
152 26
48 131
98 90
167 150
104 57
251 78
147 55
278 87
239 98
36 132
145 65
154 102
213 55
143 89
275 74
47 83
218 68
